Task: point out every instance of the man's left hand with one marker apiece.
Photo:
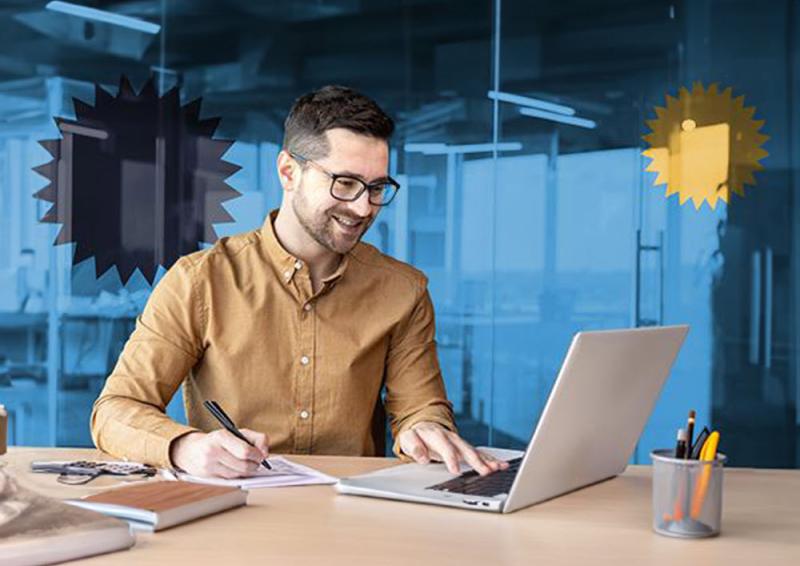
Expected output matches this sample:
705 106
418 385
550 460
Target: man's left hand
427 441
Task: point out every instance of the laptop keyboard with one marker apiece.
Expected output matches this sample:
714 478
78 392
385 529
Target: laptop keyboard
472 483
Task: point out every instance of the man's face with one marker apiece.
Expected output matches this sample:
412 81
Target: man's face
334 224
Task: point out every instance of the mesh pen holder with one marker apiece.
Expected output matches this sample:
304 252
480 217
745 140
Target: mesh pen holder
687 495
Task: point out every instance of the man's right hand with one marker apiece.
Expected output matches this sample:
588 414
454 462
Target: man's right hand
219 453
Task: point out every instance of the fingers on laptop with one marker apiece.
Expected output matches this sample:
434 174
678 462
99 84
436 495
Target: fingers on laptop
493 462
412 445
438 440
482 462
430 441
476 459
435 442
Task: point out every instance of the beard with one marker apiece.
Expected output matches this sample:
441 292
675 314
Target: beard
325 229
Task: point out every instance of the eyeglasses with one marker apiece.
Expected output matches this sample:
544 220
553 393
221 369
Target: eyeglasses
83 471
349 189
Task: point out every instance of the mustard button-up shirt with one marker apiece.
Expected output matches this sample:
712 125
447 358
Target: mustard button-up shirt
238 323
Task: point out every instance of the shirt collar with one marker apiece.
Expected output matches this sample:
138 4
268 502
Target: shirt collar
285 263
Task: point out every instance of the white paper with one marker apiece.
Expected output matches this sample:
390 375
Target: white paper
283 473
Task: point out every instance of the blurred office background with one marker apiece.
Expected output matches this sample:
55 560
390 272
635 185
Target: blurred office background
532 221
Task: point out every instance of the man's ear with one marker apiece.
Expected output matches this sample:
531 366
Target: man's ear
288 171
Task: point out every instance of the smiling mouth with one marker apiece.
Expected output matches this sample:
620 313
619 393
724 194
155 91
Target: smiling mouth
348 224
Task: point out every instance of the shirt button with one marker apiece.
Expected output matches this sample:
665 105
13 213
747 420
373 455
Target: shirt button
307 307
304 414
287 274
298 264
304 360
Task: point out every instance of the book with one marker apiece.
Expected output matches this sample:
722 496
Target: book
284 473
157 505
35 529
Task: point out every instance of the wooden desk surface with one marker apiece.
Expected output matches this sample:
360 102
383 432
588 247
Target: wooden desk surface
608 523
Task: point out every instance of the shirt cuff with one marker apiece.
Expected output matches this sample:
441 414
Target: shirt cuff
157 447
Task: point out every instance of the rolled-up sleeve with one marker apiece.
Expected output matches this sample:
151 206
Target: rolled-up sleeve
415 390
128 418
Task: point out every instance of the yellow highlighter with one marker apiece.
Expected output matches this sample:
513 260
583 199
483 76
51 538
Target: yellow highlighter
707 454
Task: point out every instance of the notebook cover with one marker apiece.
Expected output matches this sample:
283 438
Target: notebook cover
161 496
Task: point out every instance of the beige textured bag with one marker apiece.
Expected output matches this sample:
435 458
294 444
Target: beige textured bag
3 429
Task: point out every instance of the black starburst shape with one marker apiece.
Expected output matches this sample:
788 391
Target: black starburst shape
136 180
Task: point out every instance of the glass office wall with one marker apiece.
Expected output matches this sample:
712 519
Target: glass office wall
526 196
618 251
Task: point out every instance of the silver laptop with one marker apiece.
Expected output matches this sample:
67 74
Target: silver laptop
597 409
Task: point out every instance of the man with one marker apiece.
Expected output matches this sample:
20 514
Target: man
294 328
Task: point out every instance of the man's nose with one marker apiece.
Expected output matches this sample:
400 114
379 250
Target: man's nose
361 206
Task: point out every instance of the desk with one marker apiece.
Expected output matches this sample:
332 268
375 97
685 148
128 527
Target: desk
608 523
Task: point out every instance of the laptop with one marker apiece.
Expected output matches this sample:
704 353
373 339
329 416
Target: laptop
597 409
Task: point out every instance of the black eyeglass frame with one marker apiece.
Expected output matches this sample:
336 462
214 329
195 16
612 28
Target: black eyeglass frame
364 185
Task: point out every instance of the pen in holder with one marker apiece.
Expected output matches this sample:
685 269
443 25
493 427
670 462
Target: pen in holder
687 495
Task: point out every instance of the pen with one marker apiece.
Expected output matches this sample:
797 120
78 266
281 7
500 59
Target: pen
680 453
680 446
215 409
698 443
689 433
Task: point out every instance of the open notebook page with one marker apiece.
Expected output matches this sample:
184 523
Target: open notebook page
283 473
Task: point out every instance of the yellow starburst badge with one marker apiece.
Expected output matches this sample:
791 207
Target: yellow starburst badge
704 145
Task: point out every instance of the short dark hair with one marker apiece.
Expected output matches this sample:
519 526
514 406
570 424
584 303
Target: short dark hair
331 107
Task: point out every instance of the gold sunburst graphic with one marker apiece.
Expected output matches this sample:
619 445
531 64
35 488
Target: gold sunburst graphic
705 144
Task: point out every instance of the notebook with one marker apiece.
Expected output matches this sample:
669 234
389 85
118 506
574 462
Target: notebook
159 505
35 529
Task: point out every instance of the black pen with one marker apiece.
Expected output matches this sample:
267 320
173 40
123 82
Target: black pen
698 443
680 446
215 409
